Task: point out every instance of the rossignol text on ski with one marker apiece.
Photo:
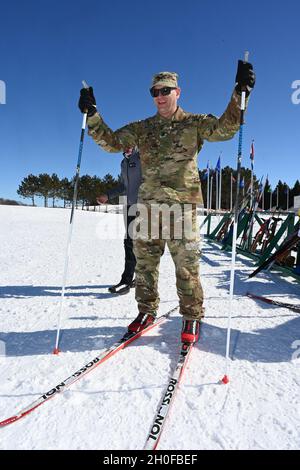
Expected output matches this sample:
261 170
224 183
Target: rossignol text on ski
168 398
88 367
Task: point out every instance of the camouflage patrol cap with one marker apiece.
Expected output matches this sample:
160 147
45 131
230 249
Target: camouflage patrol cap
165 79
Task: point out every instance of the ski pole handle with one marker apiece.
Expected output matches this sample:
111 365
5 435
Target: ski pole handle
85 85
243 97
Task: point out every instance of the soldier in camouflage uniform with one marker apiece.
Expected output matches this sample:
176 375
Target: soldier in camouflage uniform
169 143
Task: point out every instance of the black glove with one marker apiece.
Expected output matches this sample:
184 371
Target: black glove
87 102
245 78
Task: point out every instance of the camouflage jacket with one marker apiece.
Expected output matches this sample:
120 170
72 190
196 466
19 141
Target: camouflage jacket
169 148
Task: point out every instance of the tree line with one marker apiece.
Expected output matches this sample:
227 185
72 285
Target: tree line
55 189
51 187
280 196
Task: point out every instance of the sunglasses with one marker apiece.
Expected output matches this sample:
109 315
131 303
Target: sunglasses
166 90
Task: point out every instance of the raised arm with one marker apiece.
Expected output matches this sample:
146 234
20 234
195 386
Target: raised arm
109 140
113 141
215 129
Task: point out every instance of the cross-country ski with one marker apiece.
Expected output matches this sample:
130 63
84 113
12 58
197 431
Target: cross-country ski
95 362
167 400
279 303
149 191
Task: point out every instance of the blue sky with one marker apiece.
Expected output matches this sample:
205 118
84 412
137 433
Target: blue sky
47 48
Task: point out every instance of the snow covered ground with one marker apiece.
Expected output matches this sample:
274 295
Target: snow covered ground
114 405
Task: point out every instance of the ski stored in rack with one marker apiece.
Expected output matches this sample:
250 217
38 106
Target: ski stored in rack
291 241
295 308
168 398
108 353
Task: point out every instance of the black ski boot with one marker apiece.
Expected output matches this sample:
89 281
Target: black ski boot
122 287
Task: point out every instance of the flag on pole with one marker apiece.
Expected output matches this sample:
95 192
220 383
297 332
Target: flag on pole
242 183
205 176
252 155
218 165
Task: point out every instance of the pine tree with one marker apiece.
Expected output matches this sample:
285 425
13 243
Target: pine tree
29 187
65 191
55 188
44 187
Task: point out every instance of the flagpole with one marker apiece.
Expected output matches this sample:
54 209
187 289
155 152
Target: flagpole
220 191
252 167
217 170
217 191
220 185
251 187
207 196
231 192
211 190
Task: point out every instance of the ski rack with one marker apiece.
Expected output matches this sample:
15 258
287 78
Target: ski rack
288 226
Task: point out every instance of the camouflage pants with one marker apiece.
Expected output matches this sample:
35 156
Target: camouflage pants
185 255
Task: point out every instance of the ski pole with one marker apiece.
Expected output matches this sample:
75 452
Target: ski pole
68 250
225 379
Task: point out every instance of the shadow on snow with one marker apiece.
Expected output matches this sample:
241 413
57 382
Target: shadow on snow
269 345
21 292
